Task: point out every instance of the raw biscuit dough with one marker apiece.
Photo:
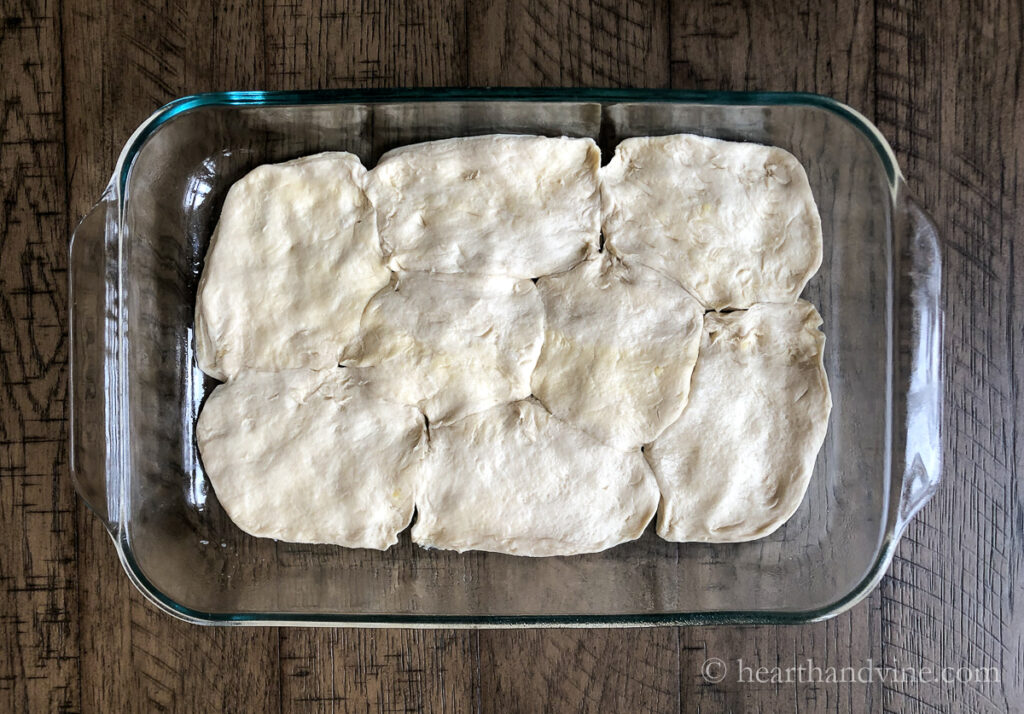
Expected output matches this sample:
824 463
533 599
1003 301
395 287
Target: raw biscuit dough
521 206
516 480
292 262
311 457
734 223
620 344
736 464
452 345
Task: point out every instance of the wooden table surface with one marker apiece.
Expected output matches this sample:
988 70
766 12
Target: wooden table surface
941 79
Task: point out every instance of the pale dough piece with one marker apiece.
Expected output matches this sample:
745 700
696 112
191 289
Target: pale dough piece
734 223
620 342
736 464
516 480
311 457
292 262
451 344
521 206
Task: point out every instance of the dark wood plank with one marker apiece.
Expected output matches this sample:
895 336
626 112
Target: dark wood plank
378 670
136 658
950 101
777 45
825 48
39 668
230 52
373 43
581 670
533 43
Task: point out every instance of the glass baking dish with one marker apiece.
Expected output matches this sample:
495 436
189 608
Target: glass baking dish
135 388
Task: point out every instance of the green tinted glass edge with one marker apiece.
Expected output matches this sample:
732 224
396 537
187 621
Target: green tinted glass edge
723 617
341 96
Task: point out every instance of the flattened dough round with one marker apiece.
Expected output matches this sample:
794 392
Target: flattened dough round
734 223
516 480
452 345
736 464
620 343
311 457
293 261
521 206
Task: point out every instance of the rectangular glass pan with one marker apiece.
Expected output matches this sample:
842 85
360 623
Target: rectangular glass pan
136 390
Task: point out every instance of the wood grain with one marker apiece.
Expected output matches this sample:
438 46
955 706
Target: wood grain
39 629
374 43
941 79
787 46
533 43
